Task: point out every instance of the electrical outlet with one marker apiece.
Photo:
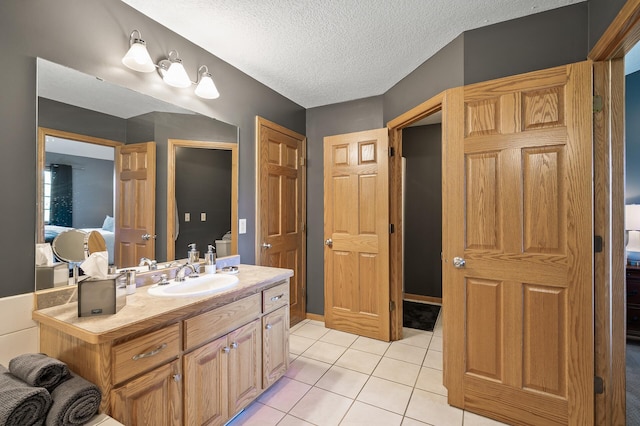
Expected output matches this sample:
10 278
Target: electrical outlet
187 217
203 217
242 226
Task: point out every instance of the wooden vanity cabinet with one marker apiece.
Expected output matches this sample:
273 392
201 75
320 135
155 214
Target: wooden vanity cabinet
196 368
154 398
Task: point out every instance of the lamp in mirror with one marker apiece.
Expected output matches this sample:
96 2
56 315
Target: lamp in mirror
206 88
632 225
137 57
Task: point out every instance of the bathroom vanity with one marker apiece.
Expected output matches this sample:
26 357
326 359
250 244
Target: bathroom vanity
189 360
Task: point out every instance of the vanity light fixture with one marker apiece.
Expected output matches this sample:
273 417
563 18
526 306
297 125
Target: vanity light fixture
173 72
170 69
137 57
206 88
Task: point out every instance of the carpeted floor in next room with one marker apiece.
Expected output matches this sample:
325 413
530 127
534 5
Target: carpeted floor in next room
421 316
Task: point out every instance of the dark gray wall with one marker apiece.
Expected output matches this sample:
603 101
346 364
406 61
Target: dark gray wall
181 126
535 42
632 138
442 71
70 118
92 188
92 36
347 117
601 13
203 185
422 148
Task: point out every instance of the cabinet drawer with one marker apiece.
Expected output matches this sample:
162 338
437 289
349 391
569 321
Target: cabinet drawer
215 323
275 297
145 352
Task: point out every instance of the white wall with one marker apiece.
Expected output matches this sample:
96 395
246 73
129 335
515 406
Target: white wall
18 332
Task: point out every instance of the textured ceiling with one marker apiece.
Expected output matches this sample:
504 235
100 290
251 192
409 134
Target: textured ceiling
323 52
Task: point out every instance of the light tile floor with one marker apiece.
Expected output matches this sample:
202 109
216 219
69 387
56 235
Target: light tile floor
337 378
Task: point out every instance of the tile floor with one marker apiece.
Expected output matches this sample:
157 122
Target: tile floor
337 378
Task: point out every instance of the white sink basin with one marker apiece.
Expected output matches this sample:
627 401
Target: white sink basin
204 284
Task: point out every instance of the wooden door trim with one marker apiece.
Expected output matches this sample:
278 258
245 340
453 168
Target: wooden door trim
43 132
171 188
395 126
609 270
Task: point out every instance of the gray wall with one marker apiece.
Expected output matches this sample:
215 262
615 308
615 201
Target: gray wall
92 188
632 138
422 148
363 114
203 185
535 42
601 13
92 36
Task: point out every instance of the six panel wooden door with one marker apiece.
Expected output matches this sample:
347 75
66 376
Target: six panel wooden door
517 201
356 227
135 203
281 221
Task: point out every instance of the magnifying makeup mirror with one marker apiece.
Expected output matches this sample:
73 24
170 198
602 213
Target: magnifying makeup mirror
74 246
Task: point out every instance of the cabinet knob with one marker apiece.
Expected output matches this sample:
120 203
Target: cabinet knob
226 349
234 345
177 377
268 326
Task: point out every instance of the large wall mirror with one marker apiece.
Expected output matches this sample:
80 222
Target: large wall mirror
96 138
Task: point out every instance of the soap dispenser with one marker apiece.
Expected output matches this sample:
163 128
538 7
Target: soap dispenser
210 260
193 255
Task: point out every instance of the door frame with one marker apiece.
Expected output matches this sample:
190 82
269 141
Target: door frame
396 254
43 132
609 266
171 188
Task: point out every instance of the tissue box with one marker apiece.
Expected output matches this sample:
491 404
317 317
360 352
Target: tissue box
52 276
101 296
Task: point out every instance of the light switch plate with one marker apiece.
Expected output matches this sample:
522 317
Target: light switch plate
203 217
242 226
187 217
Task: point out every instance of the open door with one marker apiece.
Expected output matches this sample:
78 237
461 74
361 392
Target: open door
135 203
356 230
518 247
281 212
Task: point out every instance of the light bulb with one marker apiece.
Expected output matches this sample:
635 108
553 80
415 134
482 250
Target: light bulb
206 87
176 75
137 57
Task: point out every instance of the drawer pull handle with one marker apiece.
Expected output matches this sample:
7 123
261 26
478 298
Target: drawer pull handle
268 326
226 349
276 298
150 353
234 345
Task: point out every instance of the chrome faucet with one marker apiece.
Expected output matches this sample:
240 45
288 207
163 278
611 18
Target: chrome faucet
180 277
152 264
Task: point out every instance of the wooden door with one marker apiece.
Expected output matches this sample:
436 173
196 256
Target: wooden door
356 230
281 213
245 366
153 399
275 343
135 203
205 385
517 208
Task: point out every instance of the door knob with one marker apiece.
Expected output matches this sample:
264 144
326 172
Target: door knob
147 237
459 262
328 242
266 245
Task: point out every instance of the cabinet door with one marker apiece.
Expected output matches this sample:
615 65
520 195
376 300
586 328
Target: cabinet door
275 349
244 365
152 399
205 384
